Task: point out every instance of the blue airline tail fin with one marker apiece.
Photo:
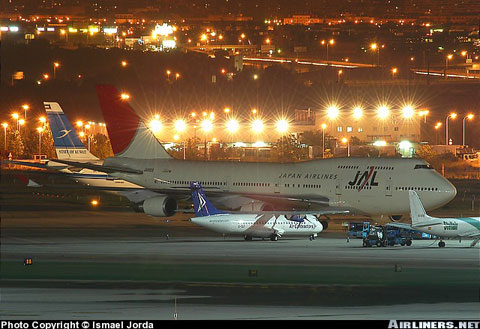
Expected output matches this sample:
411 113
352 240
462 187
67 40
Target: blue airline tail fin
201 204
68 145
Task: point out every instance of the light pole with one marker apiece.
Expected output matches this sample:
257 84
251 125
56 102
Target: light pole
180 127
15 116
55 66
437 126
39 129
25 107
329 42
469 117
5 125
453 116
376 49
346 141
323 140
449 57
394 72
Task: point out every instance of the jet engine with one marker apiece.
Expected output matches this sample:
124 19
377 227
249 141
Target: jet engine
324 224
160 206
395 218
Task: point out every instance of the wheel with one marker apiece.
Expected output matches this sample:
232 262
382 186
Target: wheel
274 237
441 244
379 243
402 243
247 238
364 244
409 243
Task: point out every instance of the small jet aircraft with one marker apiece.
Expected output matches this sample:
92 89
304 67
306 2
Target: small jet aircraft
456 228
262 224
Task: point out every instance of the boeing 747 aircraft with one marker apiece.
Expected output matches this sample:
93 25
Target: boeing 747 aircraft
368 186
455 228
261 225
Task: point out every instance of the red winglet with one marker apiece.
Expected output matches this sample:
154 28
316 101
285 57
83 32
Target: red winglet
121 120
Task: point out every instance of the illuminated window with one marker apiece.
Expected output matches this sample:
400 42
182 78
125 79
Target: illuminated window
360 130
339 129
349 129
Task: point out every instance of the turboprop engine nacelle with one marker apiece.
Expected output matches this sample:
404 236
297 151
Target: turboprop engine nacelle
160 206
296 218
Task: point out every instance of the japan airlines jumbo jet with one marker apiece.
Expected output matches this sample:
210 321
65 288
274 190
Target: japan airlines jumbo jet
260 225
455 228
368 186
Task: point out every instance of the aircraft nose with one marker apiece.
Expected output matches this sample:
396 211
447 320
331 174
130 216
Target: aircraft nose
448 191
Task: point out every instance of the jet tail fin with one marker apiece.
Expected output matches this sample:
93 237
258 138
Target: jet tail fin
417 212
68 145
201 204
129 135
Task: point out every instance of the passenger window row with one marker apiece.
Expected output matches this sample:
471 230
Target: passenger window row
417 188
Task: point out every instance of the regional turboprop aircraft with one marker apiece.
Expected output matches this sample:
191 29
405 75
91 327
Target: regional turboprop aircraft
368 186
268 224
451 228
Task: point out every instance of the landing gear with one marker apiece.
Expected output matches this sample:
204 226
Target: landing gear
312 237
247 238
441 244
409 242
274 237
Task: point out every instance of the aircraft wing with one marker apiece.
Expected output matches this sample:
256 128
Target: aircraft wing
101 168
401 225
40 165
292 213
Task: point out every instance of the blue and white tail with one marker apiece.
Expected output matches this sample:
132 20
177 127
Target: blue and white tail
67 143
201 204
417 212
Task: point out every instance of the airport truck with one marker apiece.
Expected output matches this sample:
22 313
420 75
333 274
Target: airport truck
382 236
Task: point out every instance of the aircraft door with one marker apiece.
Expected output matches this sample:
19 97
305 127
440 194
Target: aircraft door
227 186
276 188
338 187
388 186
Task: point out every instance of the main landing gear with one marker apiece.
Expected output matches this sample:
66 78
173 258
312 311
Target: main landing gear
441 244
274 237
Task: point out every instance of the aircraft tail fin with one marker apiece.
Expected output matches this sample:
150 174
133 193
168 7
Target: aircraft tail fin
417 212
201 204
129 135
27 181
68 145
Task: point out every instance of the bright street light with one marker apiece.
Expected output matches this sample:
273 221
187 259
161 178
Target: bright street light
357 112
232 126
180 125
383 112
408 111
332 112
155 125
206 125
282 126
257 126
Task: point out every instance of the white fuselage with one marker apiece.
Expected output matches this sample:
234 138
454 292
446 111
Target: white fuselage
370 186
259 226
468 227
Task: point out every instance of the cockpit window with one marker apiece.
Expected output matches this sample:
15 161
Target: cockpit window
423 166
